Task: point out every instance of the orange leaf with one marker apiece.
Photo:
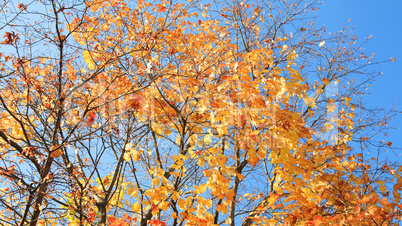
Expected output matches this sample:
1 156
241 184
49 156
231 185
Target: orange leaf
214 104
317 220
157 222
120 222
271 201
127 217
56 152
364 199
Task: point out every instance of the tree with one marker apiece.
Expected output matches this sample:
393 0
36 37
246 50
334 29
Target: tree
171 113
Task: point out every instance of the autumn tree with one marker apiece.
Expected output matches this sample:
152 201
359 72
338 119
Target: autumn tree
187 113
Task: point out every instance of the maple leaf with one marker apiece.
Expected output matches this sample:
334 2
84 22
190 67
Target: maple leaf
127 217
191 112
56 152
91 217
91 118
120 222
364 200
157 223
161 8
154 207
317 220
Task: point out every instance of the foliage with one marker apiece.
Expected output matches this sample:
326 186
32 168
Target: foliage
169 113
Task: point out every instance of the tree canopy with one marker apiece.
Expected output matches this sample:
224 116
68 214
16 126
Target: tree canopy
188 113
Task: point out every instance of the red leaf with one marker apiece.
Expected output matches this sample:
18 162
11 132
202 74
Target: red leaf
91 118
317 220
154 207
161 8
157 222
135 103
91 217
127 217
111 219
214 104
61 9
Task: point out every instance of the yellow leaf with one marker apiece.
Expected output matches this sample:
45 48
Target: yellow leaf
207 138
91 65
132 191
200 189
331 107
175 174
127 156
222 130
128 146
309 101
271 201
200 162
221 208
328 126
136 207
175 195
163 206
181 203
155 181
88 60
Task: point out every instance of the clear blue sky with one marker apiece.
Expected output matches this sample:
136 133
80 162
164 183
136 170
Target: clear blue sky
383 20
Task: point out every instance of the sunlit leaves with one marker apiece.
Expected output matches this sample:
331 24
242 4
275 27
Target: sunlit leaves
187 113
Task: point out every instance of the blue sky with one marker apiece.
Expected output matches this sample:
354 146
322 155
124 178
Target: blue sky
383 20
